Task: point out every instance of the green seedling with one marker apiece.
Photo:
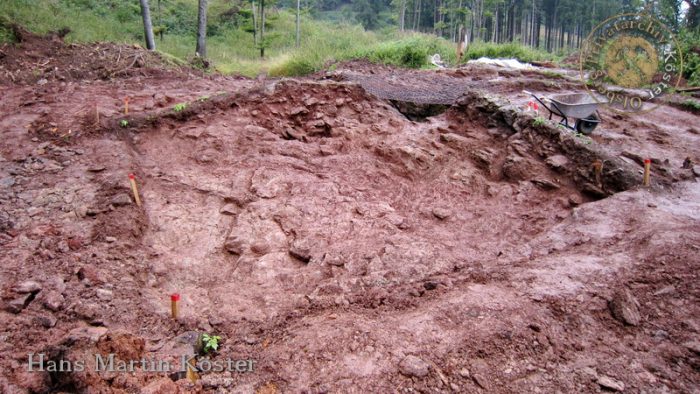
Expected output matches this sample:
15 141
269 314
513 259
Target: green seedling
203 99
180 107
210 343
584 138
124 123
539 121
692 104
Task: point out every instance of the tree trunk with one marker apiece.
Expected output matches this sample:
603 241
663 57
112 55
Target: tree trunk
402 18
420 6
201 50
147 25
298 23
262 28
255 24
160 23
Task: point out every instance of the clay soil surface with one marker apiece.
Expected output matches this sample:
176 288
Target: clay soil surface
339 245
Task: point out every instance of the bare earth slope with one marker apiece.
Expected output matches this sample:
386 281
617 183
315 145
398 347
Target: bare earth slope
340 245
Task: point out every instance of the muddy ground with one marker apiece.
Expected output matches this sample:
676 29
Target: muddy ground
337 243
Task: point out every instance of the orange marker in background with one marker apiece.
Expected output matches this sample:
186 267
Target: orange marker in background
647 171
598 169
132 179
174 299
126 105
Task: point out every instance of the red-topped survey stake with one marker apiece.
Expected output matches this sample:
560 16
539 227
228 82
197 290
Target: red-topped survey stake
647 171
174 299
132 180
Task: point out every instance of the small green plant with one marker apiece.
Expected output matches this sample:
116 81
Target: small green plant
124 123
210 343
203 99
539 121
180 107
552 74
692 104
584 138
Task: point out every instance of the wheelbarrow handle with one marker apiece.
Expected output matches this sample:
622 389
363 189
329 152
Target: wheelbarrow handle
540 99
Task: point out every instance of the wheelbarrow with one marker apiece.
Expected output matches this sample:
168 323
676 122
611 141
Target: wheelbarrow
580 107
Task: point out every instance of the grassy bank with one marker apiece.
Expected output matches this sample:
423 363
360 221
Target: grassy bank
230 43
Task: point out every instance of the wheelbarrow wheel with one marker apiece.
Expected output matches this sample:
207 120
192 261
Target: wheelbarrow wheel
587 125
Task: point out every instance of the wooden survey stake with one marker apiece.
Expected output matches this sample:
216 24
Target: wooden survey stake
647 171
174 299
132 179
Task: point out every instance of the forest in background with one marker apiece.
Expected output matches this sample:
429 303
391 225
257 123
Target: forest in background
400 32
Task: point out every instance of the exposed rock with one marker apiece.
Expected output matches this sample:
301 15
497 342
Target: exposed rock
441 213
260 247
430 285
104 294
545 184
18 304
334 260
593 190
52 300
483 157
610 383
301 250
109 239
693 346
234 245
557 162
47 321
28 286
5 221
311 101
121 200
97 168
696 170
63 247
464 373
90 275
89 333
397 220
454 140
517 168
414 366
575 200
228 209
625 308
298 111
7 182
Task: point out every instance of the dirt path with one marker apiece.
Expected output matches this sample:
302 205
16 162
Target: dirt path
340 245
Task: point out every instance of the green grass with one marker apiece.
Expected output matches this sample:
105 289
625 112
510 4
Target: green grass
539 121
692 104
507 51
552 74
180 107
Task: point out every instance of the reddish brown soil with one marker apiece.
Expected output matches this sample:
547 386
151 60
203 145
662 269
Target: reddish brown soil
339 245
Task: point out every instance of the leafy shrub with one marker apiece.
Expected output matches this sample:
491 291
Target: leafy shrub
690 47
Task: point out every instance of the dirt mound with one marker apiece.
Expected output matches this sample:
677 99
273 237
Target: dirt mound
38 59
